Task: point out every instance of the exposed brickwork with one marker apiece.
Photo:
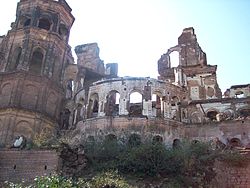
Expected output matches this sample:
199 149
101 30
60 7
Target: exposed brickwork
26 165
34 56
41 88
232 177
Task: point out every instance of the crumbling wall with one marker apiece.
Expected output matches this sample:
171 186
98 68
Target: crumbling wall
192 71
103 93
88 57
191 53
226 132
238 91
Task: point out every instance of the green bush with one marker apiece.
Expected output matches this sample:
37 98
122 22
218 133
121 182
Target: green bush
148 160
191 162
108 179
234 158
188 165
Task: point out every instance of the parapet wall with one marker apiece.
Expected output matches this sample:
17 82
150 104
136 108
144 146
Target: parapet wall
168 130
16 165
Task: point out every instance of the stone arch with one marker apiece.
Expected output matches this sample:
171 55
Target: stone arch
211 114
176 143
157 104
5 94
112 103
44 23
23 128
36 61
174 57
235 142
134 140
229 113
135 103
15 59
239 94
93 106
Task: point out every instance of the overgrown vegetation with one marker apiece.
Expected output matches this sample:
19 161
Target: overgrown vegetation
190 164
234 158
109 179
187 164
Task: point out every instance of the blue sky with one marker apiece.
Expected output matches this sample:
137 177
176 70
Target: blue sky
135 33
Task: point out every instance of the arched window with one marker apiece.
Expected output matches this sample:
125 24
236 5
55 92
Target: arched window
239 94
212 115
174 59
27 22
176 143
36 62
15 59
112 103
157 105
93 106
135 104
44 23
235 142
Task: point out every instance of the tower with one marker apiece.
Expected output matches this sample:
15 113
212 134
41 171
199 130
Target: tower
33 58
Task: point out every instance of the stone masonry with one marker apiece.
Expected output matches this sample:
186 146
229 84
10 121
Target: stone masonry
42 89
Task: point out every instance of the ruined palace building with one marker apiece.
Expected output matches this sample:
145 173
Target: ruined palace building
42 88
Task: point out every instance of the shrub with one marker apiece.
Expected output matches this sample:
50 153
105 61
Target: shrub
147 160
109 179
234 158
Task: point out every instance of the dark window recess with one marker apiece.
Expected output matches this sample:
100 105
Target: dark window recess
27 23
44 24
36 62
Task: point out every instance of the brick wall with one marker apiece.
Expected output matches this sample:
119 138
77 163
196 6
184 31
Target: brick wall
232 177
16 165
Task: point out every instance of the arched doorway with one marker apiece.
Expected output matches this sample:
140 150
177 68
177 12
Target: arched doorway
112 103
135 104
